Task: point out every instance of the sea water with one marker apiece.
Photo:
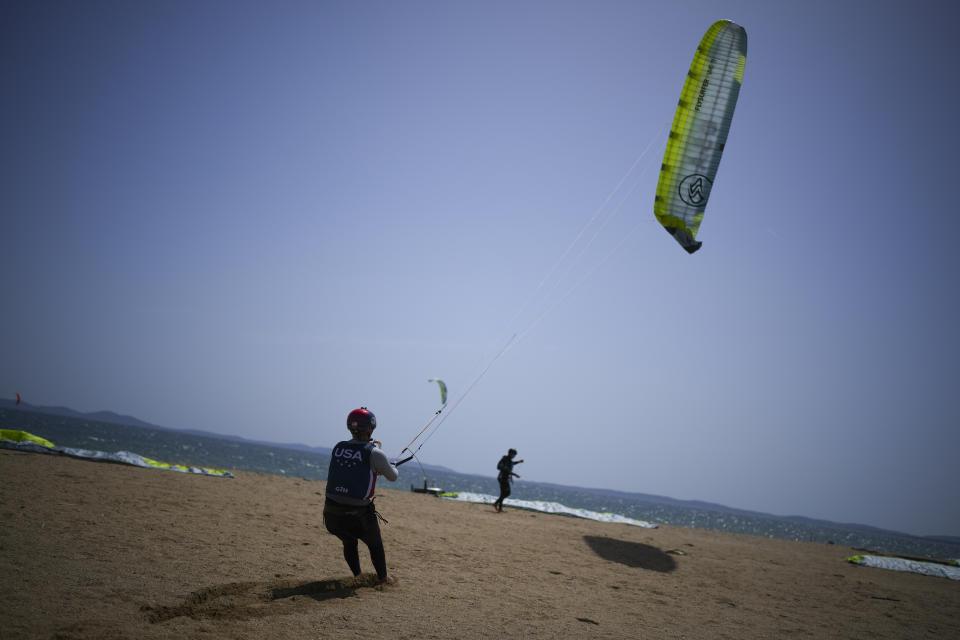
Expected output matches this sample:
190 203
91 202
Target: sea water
196 450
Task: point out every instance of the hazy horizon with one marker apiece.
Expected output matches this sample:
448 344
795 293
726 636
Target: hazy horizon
296 446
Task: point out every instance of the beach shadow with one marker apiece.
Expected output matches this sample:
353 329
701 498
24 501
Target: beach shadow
321 590
632 554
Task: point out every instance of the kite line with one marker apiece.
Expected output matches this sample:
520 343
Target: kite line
604 214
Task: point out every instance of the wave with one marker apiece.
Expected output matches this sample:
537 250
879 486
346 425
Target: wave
548 507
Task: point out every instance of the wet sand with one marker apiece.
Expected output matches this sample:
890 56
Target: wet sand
97 550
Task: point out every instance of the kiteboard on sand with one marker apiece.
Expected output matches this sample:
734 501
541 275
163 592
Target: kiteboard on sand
425 489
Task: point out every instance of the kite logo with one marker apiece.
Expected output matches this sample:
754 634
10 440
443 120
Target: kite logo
705 86
695 189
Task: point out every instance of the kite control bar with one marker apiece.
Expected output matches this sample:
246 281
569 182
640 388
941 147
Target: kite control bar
400 462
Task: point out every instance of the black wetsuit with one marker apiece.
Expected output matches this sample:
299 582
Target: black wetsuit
352 524
505 477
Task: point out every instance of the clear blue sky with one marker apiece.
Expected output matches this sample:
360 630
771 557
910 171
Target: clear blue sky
253 217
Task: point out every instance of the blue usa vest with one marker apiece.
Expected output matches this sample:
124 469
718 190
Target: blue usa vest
350 474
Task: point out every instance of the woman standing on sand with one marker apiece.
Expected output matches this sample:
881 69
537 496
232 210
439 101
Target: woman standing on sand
506 476
348 512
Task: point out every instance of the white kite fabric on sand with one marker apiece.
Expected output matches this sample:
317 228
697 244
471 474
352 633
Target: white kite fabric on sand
23 441
905 564
548 507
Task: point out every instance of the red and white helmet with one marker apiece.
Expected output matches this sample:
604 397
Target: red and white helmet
361 419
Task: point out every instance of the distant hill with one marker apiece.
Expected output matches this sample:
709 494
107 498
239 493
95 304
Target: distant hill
101 416
130 421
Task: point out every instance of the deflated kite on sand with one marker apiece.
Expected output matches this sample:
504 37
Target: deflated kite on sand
23 441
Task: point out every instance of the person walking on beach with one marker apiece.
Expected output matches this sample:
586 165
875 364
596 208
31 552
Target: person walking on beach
506 476
348 511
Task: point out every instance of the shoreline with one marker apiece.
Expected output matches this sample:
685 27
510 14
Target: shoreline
107 551
710 516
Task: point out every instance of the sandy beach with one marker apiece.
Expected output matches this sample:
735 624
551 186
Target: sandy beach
97 550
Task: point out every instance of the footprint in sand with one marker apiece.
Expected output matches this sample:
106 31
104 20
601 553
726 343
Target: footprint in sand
246 600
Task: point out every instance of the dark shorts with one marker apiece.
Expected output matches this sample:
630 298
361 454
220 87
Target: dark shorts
350 522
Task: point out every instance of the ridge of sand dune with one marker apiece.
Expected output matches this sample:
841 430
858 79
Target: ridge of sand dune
94 550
